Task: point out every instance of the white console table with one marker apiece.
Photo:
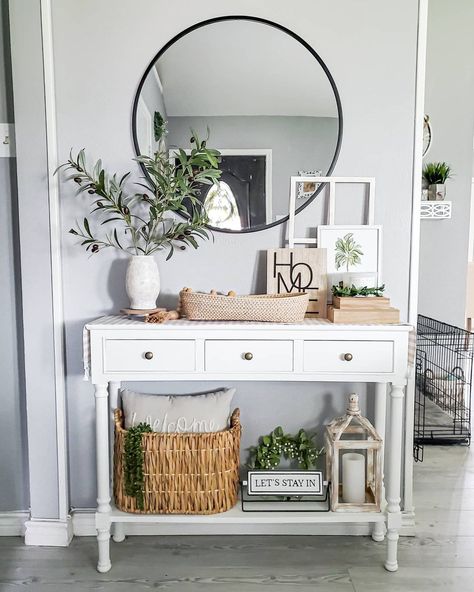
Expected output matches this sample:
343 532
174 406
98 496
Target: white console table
315 350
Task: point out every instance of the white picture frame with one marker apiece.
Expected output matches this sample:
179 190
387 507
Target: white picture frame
368 240
331 182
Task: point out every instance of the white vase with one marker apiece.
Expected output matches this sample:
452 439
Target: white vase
142 282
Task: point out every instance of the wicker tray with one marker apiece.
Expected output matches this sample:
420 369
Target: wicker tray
276 308
183 473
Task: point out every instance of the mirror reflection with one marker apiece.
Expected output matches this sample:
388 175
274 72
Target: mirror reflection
266 103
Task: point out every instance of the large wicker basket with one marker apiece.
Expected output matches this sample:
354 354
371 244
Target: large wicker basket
183 473
276 308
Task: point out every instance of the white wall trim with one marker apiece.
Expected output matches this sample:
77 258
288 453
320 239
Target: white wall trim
13 523
48 533
55 253
422 33
417 159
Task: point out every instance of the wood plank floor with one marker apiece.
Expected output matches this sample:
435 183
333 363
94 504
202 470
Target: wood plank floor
440 557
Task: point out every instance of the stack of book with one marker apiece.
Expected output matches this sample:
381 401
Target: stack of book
363 309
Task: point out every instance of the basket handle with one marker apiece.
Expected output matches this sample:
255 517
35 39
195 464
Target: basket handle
235 418
179 308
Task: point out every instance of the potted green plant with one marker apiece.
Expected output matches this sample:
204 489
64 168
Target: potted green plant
144 220
435 175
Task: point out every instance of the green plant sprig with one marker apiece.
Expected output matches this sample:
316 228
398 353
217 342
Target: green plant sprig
342 291
272 447
133 462
436 172
146 222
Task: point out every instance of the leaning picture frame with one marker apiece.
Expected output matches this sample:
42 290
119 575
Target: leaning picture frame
352 251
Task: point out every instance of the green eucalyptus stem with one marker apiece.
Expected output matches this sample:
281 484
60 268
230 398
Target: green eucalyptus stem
133 462
344 291
277 445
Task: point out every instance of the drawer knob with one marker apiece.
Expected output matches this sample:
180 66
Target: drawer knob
248 355
348 357
149 355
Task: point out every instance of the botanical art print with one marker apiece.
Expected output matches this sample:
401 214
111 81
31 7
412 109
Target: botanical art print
354 249
348 253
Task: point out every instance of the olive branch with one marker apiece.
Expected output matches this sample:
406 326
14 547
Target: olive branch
145 221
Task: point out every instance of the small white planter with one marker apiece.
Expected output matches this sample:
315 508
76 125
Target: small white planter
437 192
142 282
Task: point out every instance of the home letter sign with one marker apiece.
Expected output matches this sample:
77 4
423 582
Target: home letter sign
299 270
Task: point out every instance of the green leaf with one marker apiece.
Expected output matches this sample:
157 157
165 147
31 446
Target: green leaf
86 226
170 254
116 239
123 179
110 220
193 241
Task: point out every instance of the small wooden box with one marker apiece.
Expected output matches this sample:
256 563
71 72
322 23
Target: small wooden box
357 302
382 316
363 309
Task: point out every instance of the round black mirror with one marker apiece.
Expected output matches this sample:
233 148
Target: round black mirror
268 102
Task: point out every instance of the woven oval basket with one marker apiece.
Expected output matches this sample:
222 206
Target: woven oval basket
191 473
276 308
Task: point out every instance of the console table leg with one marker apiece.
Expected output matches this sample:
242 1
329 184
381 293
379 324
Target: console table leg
394 516
114 390
102 517
119 532
378 531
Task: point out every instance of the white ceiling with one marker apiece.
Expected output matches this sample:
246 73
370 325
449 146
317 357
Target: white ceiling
242 68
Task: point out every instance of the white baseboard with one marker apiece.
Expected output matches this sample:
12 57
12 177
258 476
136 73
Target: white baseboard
48 533
13 523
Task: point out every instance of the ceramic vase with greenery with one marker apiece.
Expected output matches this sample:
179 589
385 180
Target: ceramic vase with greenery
163 212
435 175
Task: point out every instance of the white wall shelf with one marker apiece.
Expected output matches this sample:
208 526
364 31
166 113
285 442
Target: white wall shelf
435 210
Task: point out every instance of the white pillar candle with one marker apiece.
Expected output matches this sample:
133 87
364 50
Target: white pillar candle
353 478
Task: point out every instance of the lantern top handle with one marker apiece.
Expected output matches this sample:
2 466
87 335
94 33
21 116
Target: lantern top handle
353 408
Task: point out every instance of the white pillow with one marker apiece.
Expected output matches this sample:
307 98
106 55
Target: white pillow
199 412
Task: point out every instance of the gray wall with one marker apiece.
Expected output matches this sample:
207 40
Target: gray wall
297 143
13 468
449 101
377 92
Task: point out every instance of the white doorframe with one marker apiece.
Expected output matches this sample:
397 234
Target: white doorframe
422 32
40 247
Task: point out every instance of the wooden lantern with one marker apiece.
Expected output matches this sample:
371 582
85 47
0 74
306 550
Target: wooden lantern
354 462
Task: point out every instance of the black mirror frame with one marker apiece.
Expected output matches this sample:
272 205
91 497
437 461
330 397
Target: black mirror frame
284 30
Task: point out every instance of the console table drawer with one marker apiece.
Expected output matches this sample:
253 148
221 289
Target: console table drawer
249 356
150 355
348 356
